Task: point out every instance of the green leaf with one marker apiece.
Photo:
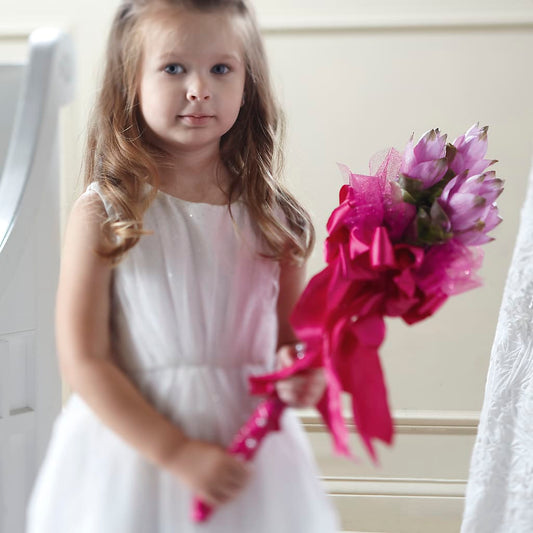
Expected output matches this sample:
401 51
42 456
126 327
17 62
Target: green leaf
431 227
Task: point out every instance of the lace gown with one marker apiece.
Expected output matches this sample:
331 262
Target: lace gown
193 315
499 495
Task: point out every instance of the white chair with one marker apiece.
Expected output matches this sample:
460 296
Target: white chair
31 95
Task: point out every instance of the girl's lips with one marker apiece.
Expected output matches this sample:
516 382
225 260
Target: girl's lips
195 120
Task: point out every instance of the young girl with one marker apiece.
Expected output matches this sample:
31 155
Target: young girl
182 262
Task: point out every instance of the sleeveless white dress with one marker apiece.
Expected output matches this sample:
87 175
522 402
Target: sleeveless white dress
499 497
193 315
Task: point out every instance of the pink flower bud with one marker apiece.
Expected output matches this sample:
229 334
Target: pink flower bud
470 151
470 205
426 161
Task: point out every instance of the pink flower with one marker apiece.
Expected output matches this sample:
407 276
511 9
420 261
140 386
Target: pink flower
426 161
469 202
470 149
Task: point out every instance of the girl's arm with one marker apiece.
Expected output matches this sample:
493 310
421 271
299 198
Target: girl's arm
291 286
86 362
84 345
306 388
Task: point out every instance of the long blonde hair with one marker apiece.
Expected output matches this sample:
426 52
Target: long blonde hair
120 159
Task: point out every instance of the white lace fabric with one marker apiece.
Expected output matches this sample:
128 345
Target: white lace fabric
499 496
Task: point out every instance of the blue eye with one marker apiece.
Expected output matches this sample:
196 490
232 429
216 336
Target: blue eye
174 68
220 69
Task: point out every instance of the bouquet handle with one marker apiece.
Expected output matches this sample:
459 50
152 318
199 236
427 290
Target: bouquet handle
265 418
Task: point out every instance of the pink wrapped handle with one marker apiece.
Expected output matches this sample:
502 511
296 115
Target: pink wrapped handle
265 418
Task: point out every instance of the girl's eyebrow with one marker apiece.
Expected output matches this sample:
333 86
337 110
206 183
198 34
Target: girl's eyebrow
230 57
172 55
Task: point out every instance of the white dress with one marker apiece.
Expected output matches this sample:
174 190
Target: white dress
499 495
193 315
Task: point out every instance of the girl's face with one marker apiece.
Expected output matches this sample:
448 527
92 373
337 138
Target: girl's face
192 78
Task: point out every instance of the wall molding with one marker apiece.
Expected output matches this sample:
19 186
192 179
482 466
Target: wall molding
319 23
20 31
397 21
14 33
395 487
407 422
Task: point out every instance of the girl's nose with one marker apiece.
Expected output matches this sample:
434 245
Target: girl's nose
198 91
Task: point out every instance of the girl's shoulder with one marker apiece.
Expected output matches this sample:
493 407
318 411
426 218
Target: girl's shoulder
95 196
84 226
89 205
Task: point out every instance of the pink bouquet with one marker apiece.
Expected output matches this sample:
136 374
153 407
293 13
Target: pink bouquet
402 240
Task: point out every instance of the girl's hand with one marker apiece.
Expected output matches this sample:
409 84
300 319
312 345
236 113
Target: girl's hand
303 389
214 475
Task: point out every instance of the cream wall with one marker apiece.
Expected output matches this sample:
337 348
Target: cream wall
357 77
354 78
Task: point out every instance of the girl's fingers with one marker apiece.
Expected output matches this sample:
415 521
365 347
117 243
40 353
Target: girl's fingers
229 486
233 485
288 353
223 492
236 474
210 498
293 398
304 389
285 357
237 478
